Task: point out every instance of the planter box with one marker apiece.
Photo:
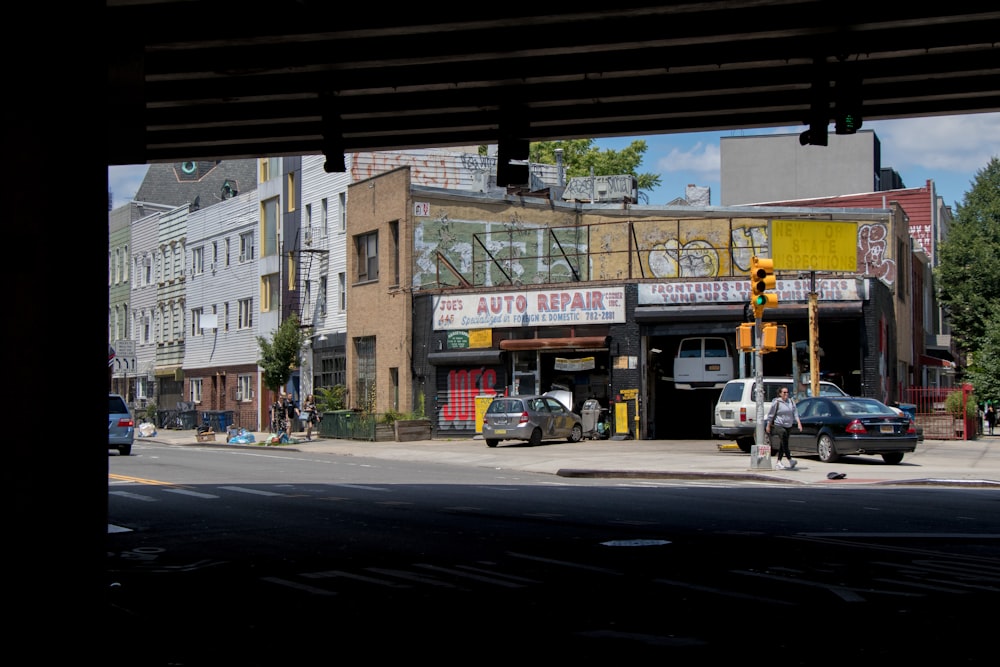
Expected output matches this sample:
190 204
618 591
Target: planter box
412 429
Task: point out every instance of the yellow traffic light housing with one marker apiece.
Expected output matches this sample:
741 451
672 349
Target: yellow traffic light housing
744 337
773 337
762 279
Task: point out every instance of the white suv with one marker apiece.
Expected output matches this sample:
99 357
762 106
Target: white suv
736 411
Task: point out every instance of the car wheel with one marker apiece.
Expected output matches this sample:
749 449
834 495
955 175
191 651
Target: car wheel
825 449
744 444
492 443
125 450
576 435
536 437
893 458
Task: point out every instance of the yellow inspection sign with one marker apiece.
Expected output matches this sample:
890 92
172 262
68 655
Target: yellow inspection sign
814 245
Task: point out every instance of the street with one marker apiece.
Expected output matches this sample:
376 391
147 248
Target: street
261 558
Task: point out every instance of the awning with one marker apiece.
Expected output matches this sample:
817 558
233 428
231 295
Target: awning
926 360
466 358
571 343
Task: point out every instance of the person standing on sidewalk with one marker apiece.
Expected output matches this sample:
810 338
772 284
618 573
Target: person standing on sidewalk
291 414
991 418
780 418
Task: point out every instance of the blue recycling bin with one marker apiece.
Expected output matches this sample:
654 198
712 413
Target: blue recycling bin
910 409
217 420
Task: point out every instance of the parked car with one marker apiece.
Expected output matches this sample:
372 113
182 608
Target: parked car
834 426
736 409
121 426
530 418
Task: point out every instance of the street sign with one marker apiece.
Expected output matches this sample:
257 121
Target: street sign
814 245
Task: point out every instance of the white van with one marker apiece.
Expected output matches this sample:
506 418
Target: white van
704 362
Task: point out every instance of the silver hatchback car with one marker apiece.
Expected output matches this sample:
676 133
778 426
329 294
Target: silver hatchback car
531 419
121 426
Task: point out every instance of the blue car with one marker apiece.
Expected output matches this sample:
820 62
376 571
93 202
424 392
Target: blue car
121 426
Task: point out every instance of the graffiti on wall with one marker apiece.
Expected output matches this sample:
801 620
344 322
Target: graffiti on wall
457 403
518 250
872 252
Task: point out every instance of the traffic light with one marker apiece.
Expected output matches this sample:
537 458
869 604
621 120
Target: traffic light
774 336
762 279
744 337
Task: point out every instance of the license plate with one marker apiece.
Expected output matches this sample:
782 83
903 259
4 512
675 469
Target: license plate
886 428
501 431
712 367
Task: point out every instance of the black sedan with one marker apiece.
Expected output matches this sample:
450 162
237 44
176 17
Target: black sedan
834 426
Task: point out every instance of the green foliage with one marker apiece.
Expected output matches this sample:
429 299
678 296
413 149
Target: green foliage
953 404
330 399
279 356
579 155
968 274
151 412
984 365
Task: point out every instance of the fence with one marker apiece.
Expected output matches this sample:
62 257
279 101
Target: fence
932 416
351 425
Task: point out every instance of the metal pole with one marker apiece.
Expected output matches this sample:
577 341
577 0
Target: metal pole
758 366
813 336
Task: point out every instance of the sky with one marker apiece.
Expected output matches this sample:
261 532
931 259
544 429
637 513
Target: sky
949 150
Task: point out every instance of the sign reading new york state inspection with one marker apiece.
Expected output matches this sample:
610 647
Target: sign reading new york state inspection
517 309
814 245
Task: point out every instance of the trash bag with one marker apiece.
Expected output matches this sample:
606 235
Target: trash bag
147 430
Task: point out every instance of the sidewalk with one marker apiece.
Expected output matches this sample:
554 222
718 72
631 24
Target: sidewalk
974 463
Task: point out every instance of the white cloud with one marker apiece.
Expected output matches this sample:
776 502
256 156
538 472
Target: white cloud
959 144
124 181
702 159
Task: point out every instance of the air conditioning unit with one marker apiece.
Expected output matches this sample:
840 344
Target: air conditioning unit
239 396
243 258
212 267
309 237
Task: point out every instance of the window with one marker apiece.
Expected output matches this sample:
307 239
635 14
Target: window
196 390
292 273
228 253
364 381
270 292
246 314
268 168
269 227
394 385
394 234
342 291
147 270
322 295
332 371
196 321
198 260
325 212
225 316
309 218
244 387
147 328
246 246
343 211
367 249
290 203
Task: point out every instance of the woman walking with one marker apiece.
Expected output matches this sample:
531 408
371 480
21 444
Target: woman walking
782 415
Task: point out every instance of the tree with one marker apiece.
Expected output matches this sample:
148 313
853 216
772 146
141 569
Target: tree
579 155
968 273
280 355
984 366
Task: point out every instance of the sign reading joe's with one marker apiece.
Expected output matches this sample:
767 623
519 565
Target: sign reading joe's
530 308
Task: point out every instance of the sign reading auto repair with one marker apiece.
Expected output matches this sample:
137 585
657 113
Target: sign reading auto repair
537 308
814 245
